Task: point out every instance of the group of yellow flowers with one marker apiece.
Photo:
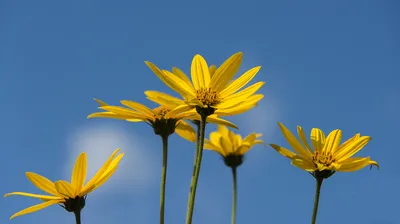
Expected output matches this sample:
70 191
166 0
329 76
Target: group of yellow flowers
208 96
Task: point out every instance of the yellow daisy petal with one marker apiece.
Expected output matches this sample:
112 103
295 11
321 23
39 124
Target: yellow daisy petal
347 143
163 99
332 141
138 106
240 82
186 131
212 70
101 103
200 73
283 151
303 138
226 72
79 173
294 143
216 120
65 188
304 164
43 197
317 137
241 95
354 164
182 75
42 183
352 148
36 208
109 115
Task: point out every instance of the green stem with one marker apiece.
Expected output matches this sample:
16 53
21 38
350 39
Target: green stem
234 203
163 176
316 199
78 217
196 169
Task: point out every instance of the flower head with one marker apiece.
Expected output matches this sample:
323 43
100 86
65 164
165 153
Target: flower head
165 119
325 153
232 147
211 88
70 195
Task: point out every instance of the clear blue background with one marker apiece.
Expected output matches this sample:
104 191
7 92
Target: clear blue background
328 64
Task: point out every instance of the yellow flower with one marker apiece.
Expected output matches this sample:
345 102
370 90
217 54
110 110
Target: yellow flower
71 195
231 146
212 87
325 154
165 118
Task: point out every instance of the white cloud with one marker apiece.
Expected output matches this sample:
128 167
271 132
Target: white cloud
136 168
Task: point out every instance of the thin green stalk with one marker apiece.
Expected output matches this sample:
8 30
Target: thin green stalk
316 199
163 176
196 169
234 203
78 217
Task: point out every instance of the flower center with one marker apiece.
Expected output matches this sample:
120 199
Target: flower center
323 158
160 112
208 97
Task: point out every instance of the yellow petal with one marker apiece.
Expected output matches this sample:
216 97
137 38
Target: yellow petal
101 171
35 208
226 146
126 112
42 183
352 148
216 120
283 151
304 164
178 111
186 131
241 95
182 75
163 99
226 71
240 82
101 103
215 138
171 80
210 146
79 173
224 131
332 141
303 138
200 73
243 107
109 115
109 172
243 149
65 188
317 137
354 164
138 106
43 197
294 143
212 70
347 143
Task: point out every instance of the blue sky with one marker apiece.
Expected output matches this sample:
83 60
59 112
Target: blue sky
327 64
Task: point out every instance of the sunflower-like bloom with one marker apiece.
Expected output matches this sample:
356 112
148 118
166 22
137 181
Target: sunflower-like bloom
232 147
165 119
211 87
69 195
325 153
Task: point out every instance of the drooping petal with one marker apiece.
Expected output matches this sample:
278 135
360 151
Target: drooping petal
226 71
36 208
352 148
240 82
65 188
186 131
79 173
332 141
356 163
294 143
43 197
109 115
182 76
304 164
138 106
317 137
283 151
42 183
200 73
216 120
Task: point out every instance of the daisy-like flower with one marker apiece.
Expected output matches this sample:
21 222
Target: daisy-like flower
325 155
211 88
165 119
70 195
232 147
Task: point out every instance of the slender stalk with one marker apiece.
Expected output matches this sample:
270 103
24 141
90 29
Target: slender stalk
163 177
78 217
196 169
234 203
316 199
